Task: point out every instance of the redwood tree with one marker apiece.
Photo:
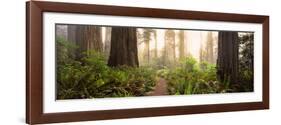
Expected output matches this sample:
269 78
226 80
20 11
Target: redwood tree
169 54
71 34
107 41
181 45
210 48
123 50
88 38
227 62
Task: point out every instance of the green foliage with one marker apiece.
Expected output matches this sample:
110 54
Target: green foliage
189 64
193 78
90 77
64 51
246 62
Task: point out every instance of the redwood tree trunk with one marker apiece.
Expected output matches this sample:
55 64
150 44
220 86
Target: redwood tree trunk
155 45
227 63
209 48
88 38
182 45
123 50
107 41
71 34
170 48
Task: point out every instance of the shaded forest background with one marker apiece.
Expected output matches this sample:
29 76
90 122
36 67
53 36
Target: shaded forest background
98 62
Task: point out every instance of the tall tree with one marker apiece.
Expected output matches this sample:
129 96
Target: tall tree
155 45
71 33
246 59
181 44
146 39
170 47
123 50
71 37
88 38
107 41
227 62
61 31
210 48
202 54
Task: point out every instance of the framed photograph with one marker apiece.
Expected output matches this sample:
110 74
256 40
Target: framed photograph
95 62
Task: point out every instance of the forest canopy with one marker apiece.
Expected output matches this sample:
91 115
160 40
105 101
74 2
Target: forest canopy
98 62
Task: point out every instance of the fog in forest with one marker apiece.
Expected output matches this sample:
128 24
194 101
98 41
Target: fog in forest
99 62
155 44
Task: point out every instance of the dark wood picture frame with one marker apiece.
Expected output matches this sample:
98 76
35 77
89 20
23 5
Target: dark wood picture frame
34 61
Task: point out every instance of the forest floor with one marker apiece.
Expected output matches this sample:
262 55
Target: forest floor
161 88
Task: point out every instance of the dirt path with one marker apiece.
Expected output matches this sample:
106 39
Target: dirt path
160 88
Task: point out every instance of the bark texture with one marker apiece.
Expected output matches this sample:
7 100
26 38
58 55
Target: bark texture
227 62
88 38
123 50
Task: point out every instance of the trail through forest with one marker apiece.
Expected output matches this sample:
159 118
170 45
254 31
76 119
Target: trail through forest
160 88
99 62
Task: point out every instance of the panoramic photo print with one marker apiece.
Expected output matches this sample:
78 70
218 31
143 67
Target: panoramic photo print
118 61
